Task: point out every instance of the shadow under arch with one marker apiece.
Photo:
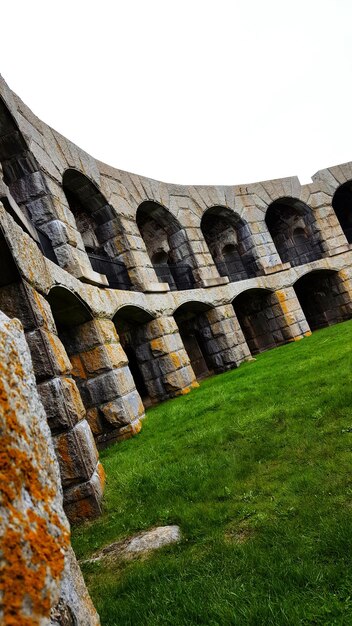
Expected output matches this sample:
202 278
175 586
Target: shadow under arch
131 325
230 243
324 298
167 245
98 224
293 228
342 205
23 179
69 310
261 319
193 325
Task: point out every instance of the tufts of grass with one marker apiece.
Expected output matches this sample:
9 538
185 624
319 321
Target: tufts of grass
255 468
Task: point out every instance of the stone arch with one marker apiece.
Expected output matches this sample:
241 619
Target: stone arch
230 243
261 319
193 324
293 228
342 205
131 325
23 179
69 310
98 224
99 368
167 245
324 298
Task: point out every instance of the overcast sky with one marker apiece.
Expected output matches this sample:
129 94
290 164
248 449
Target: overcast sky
189 91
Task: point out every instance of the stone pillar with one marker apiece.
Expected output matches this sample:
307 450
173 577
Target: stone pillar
259 239
223 338
39 572
163 361
123 241
82 475
333 239
289 315
100 368
345 289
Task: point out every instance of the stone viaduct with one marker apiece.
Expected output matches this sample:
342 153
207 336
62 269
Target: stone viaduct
130 290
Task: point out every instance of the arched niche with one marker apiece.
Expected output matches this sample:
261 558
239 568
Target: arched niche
98 224
17 162
230 243
131 325
68 309
293 229
193 327
324 298
261 319
342 205
167 245
23 179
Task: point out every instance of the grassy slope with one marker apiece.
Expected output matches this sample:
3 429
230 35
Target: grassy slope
255 467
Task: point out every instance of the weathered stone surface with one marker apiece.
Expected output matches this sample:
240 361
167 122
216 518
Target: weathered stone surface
36 558
140 544
48 355
75 606
76 453
62 402
83 501
113 384
122 411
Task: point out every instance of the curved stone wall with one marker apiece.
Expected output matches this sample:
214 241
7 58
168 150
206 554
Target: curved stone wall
137 288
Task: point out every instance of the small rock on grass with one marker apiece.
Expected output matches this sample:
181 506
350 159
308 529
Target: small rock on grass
139 545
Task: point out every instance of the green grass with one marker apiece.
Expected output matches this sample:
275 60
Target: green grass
255 466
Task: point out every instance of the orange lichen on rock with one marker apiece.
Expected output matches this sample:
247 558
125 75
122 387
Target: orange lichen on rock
34 538
175 360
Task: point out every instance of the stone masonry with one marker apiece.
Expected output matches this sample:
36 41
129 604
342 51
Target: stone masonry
131 289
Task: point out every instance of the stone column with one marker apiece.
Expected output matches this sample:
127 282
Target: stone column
163 361
333 239
259 239
100 368
40 577
289 315
123 241
82 475
223 338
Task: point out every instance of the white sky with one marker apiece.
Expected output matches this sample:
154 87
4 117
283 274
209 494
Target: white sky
197 91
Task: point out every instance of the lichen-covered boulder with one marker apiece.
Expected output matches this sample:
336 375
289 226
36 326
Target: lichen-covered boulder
37 566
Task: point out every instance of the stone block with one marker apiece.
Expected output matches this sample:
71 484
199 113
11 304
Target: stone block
223 328
44 209
103 358
62 402
176 381
83 501
106 387
60 233
144 353
166 344
157 390
48 354
219 313
150 369
123 410
76 453
129 430
28 187
160 327
90 335
22 301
